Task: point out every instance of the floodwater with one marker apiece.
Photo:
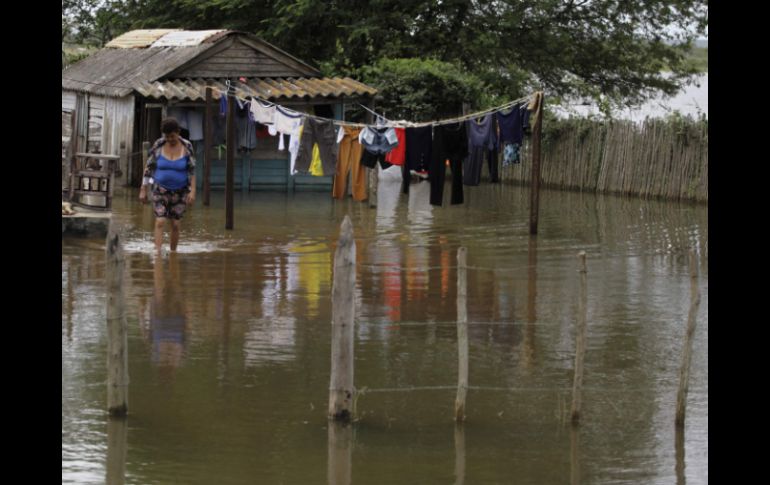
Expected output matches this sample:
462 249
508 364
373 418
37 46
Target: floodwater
229 343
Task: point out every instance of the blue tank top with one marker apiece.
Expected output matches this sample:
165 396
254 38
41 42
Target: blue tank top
171 174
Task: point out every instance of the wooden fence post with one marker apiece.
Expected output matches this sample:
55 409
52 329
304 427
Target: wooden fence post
341 388
462 334
117 340
580 342
684 372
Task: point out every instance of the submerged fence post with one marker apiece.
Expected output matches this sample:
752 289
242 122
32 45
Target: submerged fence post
462 334
117 338
580 342
537 135
684 372
341 389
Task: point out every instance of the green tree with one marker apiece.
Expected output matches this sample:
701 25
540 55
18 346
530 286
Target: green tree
612 50
421 90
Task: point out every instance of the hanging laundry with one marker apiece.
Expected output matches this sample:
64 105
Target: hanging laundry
294 148
377 143
418 153
398 154
286 122
321 132
246 134
223 104
511 154
511 133
349 160
262 112
450 142
457 181
378 140
482 141
316 169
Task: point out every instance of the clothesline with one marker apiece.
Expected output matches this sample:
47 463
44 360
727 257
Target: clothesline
388 123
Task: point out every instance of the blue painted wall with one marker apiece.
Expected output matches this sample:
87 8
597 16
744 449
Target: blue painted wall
260 174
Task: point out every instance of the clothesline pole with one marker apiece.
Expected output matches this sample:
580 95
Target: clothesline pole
207 122
230 161
537 132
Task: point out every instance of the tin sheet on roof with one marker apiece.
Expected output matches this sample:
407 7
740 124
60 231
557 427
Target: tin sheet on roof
185 38
137 39
265 88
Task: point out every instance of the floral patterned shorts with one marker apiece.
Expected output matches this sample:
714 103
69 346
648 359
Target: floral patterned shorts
169 203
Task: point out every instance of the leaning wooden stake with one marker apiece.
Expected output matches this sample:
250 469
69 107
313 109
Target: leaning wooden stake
462 335
684 373
341 389
580 342
117 341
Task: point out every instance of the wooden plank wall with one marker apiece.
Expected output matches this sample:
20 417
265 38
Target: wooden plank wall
239 60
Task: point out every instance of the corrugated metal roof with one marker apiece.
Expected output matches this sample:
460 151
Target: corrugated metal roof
119 71
115 72
185 38
137 39
266 88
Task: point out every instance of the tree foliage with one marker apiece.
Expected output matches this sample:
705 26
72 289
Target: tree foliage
421 90
615 50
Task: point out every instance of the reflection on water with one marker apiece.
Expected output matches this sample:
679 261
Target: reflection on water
340 450
166 320
117 433
229 343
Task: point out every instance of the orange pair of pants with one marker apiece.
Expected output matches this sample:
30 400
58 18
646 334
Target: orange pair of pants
349 160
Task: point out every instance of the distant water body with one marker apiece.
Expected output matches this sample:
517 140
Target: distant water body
692 100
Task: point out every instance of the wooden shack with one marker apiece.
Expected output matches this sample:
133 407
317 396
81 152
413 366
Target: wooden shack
120 94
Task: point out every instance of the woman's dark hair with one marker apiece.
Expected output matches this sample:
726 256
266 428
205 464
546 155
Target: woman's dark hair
169 125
